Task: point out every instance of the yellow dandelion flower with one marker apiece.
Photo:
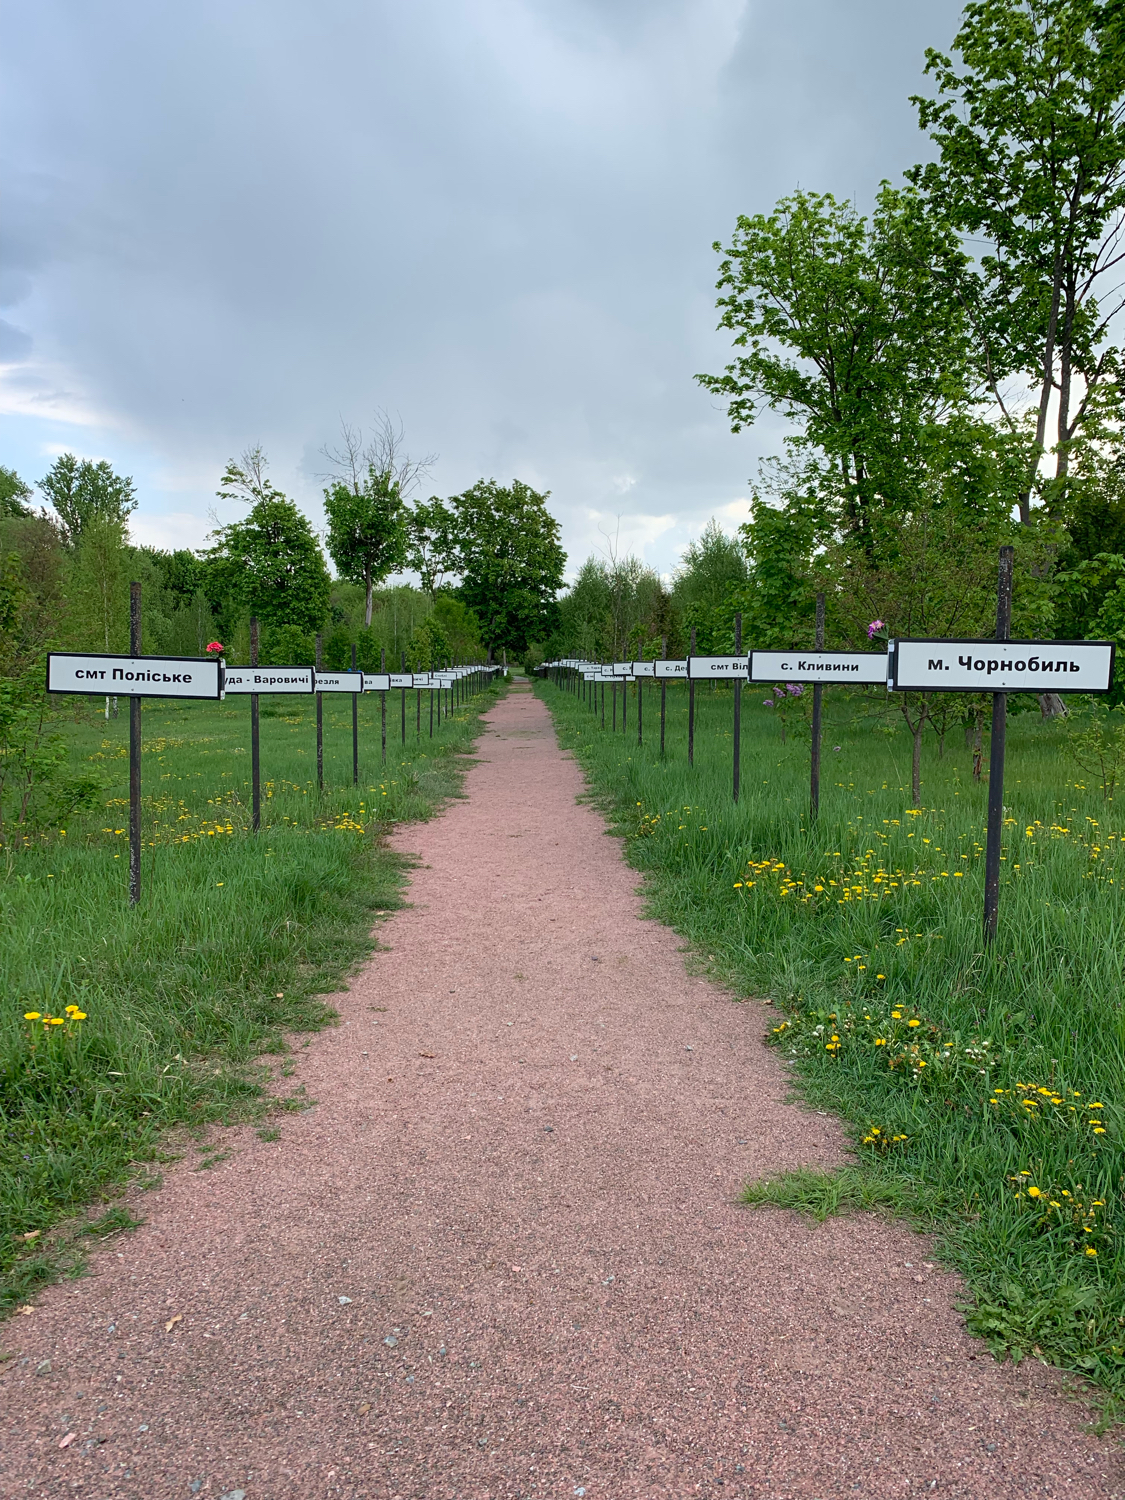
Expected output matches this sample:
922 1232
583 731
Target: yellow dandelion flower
32 1015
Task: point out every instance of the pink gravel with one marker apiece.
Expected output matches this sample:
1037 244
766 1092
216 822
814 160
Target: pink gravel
502 1256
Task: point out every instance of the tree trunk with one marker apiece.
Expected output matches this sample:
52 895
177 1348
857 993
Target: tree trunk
1051 706
370 587
978 742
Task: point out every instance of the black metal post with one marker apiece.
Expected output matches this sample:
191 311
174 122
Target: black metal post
418 714
691 704
663 693
383 702
614 686
319 722
640 711
403 669
431 713
255 755
134 754
996 756
603 705
817 695
737 710
355 729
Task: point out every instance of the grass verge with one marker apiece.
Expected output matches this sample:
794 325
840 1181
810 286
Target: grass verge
235 943
984 1092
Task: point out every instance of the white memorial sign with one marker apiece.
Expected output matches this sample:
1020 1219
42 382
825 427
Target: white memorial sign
940 666
644 669
269 680
339 682
733 668
670 668
818 666
376 682
135 676
402 679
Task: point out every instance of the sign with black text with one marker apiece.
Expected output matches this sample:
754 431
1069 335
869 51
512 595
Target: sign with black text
733 668
670 668
269 680
339 682
622 669
135 676
818 666
644 669
939 666
376 682
402 679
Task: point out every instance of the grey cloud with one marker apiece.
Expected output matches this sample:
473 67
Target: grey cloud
235 222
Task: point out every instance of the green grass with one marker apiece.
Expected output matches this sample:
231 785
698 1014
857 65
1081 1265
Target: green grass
235 942
876 908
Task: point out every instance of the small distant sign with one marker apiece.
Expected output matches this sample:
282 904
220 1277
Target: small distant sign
339 682
269 680
730 667
402 679
622 669
135 676
925 666
818 666
644 669
376 682
670 668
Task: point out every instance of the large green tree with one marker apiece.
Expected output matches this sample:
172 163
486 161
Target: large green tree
271 562
83 492
1030 130
14 494
504 547
853 329
365 501
367 534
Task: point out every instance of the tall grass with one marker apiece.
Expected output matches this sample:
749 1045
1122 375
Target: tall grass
984 1091
235 942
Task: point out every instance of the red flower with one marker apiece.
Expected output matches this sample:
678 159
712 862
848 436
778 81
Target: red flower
215 646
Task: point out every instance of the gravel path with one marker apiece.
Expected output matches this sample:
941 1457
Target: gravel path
502 1256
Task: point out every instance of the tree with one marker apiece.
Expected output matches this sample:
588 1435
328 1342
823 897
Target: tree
853 329
366 531
430 542
1031 136
13 494
709 569
271 562
367 516
504 546
82 492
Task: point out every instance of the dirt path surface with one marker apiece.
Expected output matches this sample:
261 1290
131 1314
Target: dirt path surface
502 1256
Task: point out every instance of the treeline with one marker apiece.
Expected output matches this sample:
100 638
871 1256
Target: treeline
948 367
489 562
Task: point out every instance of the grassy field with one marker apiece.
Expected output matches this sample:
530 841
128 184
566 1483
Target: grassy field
984 1092
236 940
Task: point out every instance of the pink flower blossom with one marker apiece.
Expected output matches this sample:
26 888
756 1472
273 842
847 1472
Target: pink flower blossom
875 625
214 646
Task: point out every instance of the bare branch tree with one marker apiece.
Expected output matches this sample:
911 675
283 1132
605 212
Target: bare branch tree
382 455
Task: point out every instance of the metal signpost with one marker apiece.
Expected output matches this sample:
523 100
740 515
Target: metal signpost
1000 667
818 667
355 722
135 677
641 671
319 723
253 681
737 756
691 705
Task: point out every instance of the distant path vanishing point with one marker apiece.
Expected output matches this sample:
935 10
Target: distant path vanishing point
502 1256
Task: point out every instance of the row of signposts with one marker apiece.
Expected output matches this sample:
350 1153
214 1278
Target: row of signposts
136 677
999 666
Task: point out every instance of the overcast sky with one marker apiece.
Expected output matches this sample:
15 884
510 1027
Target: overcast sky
239 221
